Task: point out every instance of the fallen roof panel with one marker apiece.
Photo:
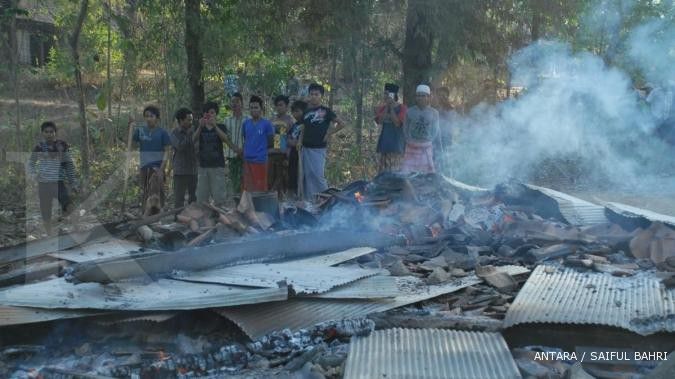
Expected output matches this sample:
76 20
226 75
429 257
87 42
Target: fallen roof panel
296 313
22 315
430 353
100 249
336 258
563 295
163 294
318 279
44 246
272 248
576 211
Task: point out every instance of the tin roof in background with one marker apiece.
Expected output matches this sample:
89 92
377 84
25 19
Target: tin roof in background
566 296
430 353
634 212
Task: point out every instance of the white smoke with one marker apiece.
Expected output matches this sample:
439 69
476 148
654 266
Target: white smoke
577 114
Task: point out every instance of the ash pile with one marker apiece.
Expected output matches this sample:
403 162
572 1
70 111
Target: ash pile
475 283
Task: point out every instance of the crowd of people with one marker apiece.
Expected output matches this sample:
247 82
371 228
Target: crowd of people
214 161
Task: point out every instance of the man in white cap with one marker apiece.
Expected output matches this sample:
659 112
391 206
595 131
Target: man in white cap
420 130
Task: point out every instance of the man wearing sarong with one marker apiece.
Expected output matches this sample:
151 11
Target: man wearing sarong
420 130
319 124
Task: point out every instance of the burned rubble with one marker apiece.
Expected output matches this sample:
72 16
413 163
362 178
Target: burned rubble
303 290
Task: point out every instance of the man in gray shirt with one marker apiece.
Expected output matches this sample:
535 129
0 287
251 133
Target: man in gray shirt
420 129
184 159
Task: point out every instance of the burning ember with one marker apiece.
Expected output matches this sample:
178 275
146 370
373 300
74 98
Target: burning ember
359 197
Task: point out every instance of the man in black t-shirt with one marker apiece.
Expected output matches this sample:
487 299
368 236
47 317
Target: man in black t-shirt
317 129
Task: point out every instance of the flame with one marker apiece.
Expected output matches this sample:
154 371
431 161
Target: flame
359 197
435 230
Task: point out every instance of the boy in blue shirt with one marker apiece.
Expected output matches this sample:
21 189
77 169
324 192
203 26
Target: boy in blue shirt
258 136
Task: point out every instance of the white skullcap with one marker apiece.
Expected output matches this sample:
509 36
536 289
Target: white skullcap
423 88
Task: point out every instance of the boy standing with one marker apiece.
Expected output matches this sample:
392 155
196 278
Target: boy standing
258 133
184 159
420 130
293 141
317 122
211 171
51 165
234 159
155 148
278 166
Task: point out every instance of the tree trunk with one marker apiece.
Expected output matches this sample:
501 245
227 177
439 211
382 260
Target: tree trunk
108 78
333 77
74 45
535 27
14 62
419 41
195 58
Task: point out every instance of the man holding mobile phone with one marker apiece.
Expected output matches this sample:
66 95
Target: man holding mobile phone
389 116
209 138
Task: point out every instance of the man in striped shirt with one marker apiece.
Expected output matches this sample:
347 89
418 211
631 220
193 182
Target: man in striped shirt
51 164
235 162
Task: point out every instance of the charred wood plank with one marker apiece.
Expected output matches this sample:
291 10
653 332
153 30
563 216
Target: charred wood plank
276 248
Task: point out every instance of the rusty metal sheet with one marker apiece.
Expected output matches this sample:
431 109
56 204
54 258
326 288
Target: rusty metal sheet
576 211
100 249
430 353
296 313
635 212
566 296
22 315
163 294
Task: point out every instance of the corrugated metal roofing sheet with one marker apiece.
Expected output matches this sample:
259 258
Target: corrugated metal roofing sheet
564 295
146 317
633 212
303 280
375 287
21 315
430 353
336 258
576 211
163 294
296 313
